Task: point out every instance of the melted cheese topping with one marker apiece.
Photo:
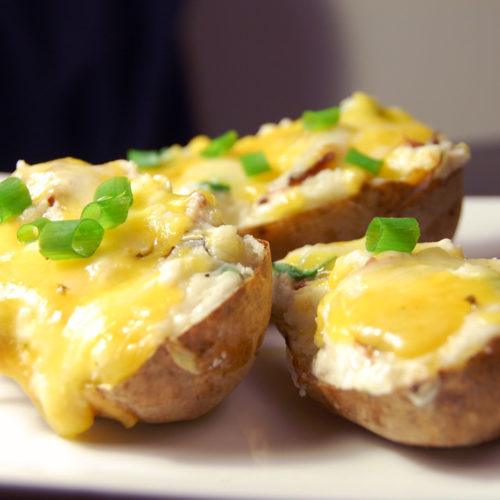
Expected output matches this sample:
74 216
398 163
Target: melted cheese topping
388 134
68 324
405 304
391 319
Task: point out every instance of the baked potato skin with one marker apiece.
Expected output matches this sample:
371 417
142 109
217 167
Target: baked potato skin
464 411
435 202
223 346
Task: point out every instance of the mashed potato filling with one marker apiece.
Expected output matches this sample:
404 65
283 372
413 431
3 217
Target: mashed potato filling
67 324
308 167
392 319
406 304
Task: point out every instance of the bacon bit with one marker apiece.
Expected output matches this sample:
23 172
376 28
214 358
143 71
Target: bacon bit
194 242
412 143
368 350
471 299
322 164
51 200
262 200
297 285
143 254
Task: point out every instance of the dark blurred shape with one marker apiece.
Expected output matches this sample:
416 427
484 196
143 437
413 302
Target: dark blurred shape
482 174
89 79
262 60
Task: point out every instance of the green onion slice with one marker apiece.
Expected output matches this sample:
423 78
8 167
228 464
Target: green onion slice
317 120
112 201
144 158
30 232
354 157
14 198
255 163
300 274
385 233
214 186
116 187
70 239
109 213
229 269
221 144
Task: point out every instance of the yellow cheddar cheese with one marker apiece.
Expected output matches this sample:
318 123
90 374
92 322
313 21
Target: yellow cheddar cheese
308 167
394 315
68 324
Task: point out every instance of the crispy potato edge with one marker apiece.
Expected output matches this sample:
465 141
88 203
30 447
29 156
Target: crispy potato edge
464 409
223 345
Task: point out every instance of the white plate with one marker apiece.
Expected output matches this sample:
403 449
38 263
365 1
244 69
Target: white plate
263 441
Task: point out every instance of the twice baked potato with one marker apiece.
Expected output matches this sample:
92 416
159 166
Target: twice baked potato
323 177
406 345
157 318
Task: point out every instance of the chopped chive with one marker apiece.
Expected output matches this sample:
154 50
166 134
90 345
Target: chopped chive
386 233
255 163
30 232
144 158
221 144
300 274
70 239
109 213
230 269
214 186
112 201
14 198
354 157
116 187
317 120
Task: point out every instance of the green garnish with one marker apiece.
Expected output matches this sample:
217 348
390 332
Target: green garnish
30 232
255 163
70 239
145 158
14 198
354 157
112 199
386 233
317 120
300 274
214 186
230 269
221 144
116 187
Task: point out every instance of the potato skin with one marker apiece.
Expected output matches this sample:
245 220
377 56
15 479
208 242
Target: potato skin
435 202
223 345
464 411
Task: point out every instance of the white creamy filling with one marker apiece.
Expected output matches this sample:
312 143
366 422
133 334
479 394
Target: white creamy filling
442 159
326 186
333 185
349 367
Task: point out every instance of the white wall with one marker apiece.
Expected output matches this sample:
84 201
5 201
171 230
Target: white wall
252 61
438 58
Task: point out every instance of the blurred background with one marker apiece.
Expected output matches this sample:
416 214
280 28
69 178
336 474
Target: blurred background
91 79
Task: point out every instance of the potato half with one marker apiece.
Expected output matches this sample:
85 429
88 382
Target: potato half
293 183
159 324
405 345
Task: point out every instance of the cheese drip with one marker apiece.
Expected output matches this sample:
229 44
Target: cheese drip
406 304
67 324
